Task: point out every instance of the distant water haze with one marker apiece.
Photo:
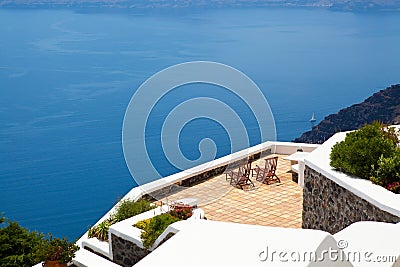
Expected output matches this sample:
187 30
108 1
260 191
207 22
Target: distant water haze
66 79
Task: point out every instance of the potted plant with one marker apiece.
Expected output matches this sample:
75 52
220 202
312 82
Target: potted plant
55 252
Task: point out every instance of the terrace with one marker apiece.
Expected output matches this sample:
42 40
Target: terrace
277 204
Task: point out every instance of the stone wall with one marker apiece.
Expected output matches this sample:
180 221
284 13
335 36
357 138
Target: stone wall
329 207
126 253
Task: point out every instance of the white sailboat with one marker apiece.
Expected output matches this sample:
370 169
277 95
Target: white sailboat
312 118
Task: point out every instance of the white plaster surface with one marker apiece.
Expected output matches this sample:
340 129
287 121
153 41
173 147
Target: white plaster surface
372 243
85 258
211 243
98 246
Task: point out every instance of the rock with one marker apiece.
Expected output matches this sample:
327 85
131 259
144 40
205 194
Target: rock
383 106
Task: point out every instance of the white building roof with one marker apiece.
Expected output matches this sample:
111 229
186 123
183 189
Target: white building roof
211 243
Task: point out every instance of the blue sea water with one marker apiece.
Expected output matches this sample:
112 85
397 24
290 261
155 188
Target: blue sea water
66 78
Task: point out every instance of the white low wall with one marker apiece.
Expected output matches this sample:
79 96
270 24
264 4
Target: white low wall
127 231
285 148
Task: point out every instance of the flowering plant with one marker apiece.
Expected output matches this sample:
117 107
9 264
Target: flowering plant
394 187
181 211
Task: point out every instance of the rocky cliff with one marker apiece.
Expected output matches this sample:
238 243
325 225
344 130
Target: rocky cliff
383 106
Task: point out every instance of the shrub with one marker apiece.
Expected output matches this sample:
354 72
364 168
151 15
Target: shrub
155 228
387 170
142 224
129 209
125 210
17 244
54 249
362 149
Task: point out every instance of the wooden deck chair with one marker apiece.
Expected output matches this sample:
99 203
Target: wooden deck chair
267 174
244 168
240 178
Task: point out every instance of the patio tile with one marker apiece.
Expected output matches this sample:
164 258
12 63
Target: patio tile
271 205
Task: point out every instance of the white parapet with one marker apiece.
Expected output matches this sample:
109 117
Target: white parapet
284 148
127 231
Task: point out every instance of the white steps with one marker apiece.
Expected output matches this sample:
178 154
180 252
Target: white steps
100 247
85 258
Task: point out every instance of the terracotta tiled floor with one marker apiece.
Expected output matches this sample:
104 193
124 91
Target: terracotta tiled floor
278 204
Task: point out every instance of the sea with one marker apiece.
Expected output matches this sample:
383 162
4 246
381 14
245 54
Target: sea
67 77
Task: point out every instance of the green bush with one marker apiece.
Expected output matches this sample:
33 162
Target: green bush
56 249
387 170
129 209
362 149
125 210
17 244
155 228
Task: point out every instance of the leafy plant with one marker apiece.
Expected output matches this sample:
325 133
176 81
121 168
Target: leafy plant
17 244
371 153
125 210
387 170
129 209
142 224
100 231
53 249
362 149
155 228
